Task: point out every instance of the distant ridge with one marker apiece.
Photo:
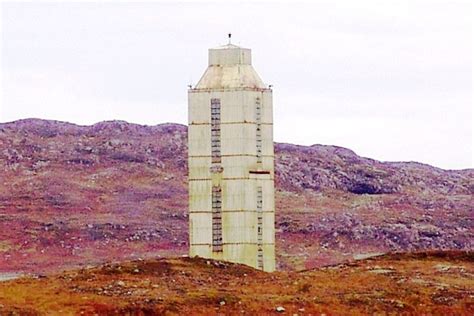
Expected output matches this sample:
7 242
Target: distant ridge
75 195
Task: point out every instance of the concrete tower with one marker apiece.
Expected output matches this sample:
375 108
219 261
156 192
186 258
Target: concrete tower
231 172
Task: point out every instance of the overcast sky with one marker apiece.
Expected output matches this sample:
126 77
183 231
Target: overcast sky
391 80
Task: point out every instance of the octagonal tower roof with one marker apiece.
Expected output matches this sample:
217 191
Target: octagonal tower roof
230 66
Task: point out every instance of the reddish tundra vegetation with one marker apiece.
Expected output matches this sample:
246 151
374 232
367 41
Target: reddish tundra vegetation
78 196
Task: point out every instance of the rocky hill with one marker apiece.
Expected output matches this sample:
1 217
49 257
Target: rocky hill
77 195
439 283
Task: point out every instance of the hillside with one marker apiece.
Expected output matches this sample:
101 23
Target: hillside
74 196
439 283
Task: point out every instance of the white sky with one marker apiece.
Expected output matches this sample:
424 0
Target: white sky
391 80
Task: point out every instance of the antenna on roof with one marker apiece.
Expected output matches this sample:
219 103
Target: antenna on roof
230 35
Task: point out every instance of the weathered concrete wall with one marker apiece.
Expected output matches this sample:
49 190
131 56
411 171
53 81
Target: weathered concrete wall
243 110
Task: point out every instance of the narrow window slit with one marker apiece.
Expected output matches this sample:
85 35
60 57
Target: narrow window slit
258 133
259 227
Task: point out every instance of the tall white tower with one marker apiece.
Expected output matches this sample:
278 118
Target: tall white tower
231 157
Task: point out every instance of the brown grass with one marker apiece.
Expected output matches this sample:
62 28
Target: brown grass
434 283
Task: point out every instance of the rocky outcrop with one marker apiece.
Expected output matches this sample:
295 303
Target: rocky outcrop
117 190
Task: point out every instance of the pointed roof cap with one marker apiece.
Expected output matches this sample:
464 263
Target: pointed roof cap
227 46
